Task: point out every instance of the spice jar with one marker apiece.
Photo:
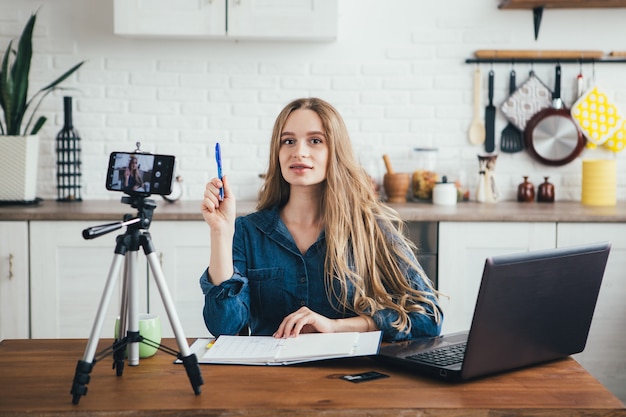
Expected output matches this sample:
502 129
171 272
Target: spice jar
545 192
444 193
526 191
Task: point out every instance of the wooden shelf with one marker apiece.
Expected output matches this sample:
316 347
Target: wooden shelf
535 54
537 6
560 4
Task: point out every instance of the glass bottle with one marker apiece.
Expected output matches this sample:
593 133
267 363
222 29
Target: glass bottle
545 193
68 158
526 191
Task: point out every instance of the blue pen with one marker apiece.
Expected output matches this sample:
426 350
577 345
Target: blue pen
218 159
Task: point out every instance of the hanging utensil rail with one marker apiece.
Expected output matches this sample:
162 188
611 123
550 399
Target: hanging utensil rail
545 61
530 56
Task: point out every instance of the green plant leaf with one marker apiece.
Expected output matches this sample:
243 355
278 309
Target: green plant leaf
20 71
63 77
38 125
14 78
47 90
6 86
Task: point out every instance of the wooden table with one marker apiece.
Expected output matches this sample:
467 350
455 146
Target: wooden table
36 377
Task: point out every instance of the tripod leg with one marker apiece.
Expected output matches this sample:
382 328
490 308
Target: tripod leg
128 326
190 361
84 366
119 355
133 308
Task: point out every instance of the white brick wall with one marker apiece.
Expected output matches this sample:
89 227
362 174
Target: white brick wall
396 73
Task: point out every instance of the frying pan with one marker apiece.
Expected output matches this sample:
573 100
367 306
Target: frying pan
551 135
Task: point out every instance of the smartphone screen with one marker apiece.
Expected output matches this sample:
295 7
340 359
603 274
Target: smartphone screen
140 173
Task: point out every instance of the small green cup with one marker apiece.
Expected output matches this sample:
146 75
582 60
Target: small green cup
149 328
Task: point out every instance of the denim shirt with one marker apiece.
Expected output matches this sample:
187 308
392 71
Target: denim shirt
272 279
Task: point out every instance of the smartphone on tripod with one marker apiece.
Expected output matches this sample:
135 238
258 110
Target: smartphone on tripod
138 173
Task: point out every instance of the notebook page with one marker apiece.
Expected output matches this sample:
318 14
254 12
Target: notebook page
261 348
318 345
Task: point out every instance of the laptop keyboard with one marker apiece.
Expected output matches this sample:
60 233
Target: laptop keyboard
442 356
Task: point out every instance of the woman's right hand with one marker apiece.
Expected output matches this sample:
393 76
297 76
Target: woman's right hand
218 214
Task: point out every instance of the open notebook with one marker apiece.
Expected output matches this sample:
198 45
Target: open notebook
267 350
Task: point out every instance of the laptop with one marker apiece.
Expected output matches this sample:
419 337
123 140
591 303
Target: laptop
532 308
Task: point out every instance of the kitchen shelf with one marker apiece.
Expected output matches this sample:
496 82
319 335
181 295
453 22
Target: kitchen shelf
560 4
537 6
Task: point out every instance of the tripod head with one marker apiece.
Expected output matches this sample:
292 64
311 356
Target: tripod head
145 208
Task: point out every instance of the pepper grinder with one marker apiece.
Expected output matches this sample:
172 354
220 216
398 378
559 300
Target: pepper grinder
526 191
545 192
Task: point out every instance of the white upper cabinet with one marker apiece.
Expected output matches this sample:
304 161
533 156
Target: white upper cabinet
184 18
228 19
282 19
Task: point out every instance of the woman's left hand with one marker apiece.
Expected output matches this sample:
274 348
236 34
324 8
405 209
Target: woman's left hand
304 320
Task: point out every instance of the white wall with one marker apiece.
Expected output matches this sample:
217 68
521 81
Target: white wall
397 73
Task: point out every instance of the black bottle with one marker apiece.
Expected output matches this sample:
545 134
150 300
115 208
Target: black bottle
68 158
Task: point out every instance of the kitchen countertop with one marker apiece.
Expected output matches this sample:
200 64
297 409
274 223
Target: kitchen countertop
503 211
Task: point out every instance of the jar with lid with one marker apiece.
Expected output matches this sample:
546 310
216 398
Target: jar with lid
445 193
526 191
545 192
425 174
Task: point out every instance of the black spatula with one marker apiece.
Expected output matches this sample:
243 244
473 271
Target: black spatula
512 139
490 119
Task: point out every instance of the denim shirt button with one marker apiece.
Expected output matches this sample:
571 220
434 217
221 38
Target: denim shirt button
303 280
302 302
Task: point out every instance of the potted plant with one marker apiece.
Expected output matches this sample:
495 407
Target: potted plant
19 143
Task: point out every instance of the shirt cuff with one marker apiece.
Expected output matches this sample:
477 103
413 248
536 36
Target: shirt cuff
229 288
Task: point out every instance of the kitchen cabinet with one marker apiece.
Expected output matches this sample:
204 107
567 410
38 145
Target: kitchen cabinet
604 355
228 19
68 276
14 275
463 248
183 248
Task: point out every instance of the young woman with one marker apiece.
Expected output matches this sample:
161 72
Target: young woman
321 253
133 176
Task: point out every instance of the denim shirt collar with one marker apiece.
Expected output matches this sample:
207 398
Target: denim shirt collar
269 223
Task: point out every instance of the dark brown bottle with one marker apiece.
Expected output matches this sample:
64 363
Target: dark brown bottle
545 192
526 191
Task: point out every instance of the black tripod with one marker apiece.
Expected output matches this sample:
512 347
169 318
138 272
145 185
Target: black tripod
127 248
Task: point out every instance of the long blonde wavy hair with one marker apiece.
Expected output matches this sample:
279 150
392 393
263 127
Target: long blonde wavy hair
365 240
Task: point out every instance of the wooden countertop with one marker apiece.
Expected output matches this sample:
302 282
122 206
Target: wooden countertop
504 211
37 376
